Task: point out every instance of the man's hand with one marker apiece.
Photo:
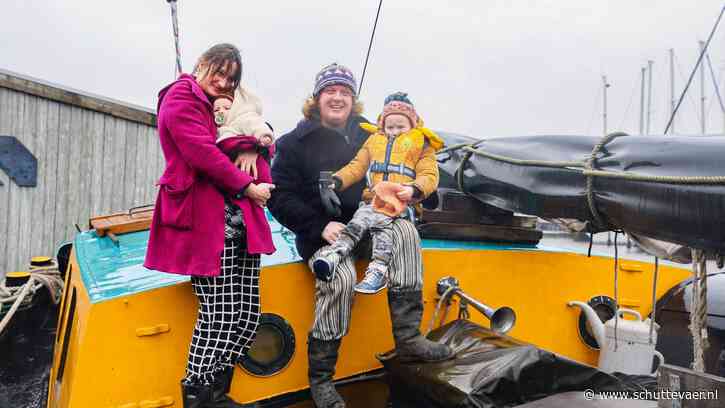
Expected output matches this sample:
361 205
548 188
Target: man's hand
247 162
329 199
259 193
332 231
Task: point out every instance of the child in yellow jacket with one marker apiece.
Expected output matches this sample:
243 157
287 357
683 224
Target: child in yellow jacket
398 160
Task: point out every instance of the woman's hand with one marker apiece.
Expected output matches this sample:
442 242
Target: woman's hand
247 162
332 231
259 193
405 194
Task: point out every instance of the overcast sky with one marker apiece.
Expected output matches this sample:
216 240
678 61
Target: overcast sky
482 68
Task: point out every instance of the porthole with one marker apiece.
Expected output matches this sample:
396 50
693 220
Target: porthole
604 307
273 347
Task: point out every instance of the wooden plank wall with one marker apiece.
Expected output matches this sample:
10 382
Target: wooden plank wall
89 163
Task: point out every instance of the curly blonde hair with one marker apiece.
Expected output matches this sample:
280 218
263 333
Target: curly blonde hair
311 108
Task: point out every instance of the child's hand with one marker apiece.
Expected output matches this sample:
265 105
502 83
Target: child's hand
266 140
405 194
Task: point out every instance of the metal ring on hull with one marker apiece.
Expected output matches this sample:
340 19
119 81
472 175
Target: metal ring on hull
273 347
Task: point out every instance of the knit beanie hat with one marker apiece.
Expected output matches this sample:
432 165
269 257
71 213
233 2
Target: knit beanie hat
398 103
334 74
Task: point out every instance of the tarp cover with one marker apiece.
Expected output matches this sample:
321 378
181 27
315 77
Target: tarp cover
688 214
491 370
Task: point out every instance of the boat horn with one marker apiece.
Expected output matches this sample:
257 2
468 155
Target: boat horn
502 319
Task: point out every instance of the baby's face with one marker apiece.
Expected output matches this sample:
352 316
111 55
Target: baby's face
221 107
396 124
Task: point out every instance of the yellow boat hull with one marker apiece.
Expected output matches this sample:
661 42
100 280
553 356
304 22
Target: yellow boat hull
130 351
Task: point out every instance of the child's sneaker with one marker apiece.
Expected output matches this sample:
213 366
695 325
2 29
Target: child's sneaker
373 282
324 265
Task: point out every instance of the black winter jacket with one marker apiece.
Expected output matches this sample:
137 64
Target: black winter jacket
301 155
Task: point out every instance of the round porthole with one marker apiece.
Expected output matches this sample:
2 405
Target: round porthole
272 349
604 306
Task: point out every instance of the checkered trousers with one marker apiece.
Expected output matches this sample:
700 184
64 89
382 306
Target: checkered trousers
229 311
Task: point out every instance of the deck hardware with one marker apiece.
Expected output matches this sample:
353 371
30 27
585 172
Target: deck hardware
630 267
153 330
501 320
161 402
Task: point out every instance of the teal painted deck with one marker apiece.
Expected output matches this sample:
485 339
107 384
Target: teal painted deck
111 270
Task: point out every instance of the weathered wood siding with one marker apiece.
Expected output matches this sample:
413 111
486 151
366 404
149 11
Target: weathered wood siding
91 161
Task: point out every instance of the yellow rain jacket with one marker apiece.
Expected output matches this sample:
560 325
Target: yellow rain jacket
408 159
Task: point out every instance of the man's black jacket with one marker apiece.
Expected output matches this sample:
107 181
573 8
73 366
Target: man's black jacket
301 155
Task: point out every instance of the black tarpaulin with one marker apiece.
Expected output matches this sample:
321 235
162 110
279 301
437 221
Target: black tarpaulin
491 370
687 214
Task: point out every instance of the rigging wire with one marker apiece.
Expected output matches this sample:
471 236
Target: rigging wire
714 83
370 47
629 105
175 26
594 110
689 96
692 74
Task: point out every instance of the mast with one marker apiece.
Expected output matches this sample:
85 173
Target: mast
672 88
649 94
604 110
702 91
641 103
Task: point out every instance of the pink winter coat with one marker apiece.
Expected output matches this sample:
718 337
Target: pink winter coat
187 230
259 235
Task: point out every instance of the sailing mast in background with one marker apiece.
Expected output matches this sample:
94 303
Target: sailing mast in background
703 127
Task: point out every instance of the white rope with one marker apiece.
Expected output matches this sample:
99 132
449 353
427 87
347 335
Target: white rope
46 276
698 310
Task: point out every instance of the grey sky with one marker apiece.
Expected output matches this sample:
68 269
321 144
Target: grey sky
482 68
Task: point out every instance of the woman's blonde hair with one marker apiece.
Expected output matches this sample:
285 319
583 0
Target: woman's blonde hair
311 107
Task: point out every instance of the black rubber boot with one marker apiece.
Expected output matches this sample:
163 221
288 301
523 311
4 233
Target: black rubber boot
196 396
322 357
406 310
222 384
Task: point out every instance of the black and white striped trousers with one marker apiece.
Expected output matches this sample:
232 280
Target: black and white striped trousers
333 300
229 311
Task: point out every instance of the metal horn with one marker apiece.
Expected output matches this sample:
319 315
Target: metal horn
502 319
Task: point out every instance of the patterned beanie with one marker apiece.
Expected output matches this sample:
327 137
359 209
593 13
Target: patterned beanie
398 104
335 74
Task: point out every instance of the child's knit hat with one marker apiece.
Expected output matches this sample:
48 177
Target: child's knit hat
335 74
398 103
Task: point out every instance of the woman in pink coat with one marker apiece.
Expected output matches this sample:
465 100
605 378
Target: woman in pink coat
197 229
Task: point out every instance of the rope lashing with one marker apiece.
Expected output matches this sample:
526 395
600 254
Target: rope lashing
175 26
616 291
445 297
589 166
48 277
698 310
654 300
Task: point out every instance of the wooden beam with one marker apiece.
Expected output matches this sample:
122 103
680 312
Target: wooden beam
77 98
